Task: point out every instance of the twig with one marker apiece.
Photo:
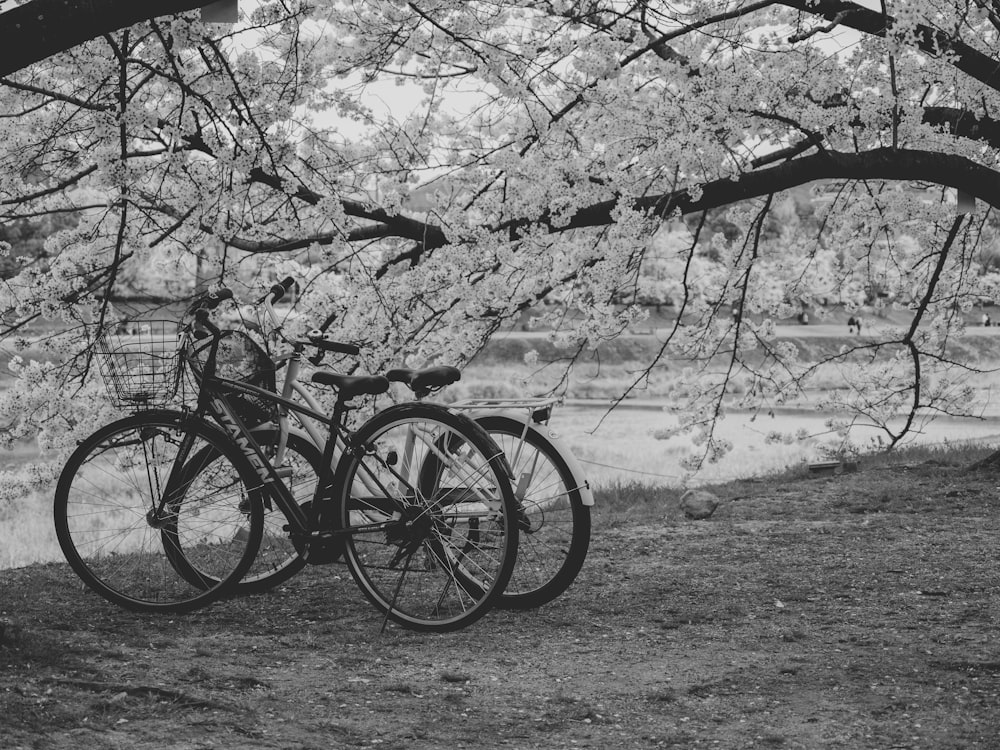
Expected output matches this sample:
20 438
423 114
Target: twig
144 691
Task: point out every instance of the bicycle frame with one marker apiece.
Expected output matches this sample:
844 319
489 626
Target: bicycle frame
212 400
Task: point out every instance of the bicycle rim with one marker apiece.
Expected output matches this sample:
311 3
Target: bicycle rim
193 551
446 546
555 524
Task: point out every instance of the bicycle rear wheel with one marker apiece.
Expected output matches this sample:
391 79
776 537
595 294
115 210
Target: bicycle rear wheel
431 552
142 542
555 524
277 558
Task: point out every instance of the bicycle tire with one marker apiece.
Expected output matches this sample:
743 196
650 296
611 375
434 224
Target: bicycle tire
453 547
555 534
103 504
277 558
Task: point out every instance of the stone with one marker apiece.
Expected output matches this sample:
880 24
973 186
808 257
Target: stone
698 504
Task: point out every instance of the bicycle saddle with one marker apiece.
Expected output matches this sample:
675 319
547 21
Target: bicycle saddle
421 382
350 386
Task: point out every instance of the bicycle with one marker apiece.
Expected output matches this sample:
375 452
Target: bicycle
431 549
553 496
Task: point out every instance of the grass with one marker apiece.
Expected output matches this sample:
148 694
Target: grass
622 503
625 502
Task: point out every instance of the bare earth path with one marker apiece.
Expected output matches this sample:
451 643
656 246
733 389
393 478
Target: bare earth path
846 612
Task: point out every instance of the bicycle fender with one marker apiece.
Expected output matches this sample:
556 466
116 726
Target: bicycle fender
579 478
586 494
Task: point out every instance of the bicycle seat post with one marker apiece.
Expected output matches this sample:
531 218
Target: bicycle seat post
336 420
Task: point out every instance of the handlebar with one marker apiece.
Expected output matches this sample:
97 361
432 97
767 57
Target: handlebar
278 290
201 321
200 307
316 338
210 300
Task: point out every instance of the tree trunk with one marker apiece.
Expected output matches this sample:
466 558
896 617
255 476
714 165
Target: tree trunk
41 28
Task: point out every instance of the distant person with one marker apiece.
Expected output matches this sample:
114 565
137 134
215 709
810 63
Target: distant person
986 320
857 324
804 318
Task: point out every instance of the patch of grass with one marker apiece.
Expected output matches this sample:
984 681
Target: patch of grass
627 502
663 695
635 494
957 455
400 687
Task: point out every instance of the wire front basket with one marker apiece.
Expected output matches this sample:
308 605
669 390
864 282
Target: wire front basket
239 357
140 363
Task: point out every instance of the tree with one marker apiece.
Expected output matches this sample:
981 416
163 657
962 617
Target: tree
29 239
551 141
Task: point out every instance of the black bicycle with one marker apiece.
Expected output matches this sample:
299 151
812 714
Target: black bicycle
552 494
165 510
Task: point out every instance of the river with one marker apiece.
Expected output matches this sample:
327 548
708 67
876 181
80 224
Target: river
622 446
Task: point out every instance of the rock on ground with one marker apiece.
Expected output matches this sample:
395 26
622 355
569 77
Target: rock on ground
698 504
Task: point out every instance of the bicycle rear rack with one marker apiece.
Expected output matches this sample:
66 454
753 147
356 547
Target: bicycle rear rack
540 408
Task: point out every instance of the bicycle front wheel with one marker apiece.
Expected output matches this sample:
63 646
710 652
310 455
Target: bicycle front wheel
149 537
554 522
432 548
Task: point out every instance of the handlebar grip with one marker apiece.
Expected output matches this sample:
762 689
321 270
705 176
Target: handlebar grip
280 289
320 342
212 300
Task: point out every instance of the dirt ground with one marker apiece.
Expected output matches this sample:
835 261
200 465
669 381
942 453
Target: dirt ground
855 611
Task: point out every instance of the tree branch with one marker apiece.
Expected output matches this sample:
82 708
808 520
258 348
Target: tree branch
879 164
935 42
